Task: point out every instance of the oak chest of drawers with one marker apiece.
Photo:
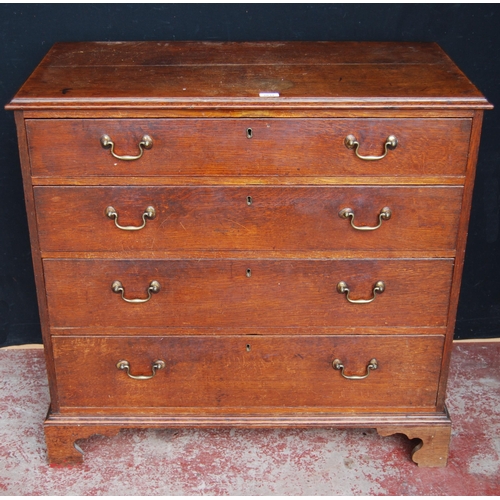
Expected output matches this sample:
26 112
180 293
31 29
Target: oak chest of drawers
248 234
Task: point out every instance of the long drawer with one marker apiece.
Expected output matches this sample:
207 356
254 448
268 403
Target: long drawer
248 218
251 147
254 293
243 371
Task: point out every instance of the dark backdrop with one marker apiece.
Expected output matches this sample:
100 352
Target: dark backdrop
470 34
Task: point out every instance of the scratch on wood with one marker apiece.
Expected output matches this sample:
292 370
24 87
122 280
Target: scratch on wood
234 222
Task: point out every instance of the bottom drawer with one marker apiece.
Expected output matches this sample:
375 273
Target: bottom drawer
249 371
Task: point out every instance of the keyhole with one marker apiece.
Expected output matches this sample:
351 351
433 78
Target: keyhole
249 273
249 348
249 133
249 200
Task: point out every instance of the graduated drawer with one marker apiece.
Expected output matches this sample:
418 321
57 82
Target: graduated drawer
247 218
246 292
213 147
248 371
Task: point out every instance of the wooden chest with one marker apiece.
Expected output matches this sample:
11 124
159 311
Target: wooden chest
248 234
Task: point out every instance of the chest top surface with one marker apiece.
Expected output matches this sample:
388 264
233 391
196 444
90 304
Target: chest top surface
140 75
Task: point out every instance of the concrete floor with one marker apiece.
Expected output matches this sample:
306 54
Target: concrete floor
253 462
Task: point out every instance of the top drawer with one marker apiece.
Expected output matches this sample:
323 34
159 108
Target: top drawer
250 147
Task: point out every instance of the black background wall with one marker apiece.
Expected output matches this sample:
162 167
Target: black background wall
470 34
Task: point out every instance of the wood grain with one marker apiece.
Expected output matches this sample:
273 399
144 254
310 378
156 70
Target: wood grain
461 245
278 147
432 451
250 330
61 441
278 219
235 112
218 292
248 371
240 180
36 255
228 74
61 430
165 53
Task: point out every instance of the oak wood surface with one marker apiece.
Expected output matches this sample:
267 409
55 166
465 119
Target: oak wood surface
61 441
248 417
224 218
222 74
36 254
153 85
70 54
461 245
278 147
210 292
125 254
248 371
62 430
241 180
243 112
248 330
432 451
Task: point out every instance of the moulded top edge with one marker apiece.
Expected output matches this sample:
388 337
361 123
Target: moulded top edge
242 103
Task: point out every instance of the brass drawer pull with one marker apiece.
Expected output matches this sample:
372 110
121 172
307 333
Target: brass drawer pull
145 143
372 365
352 143
343 288
150 213
385 214
117 287
125 365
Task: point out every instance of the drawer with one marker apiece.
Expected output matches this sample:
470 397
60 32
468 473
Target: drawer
248 371
247 218
250 293
218 147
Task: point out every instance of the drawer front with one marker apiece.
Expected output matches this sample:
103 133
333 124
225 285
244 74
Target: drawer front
248 371
213 147
250 293
247 218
